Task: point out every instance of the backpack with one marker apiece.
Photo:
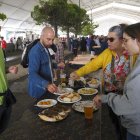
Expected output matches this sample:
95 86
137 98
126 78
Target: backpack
24 58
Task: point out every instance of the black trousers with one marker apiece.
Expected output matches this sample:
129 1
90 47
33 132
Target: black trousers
6 109
5 114
120 130
4 52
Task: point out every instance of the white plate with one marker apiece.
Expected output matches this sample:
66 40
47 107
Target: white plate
87 91
64 91
52 103
62 101
79 106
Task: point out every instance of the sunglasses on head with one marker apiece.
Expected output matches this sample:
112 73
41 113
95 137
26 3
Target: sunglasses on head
111 39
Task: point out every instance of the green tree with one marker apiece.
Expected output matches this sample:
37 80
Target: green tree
2 16
50 12
88 28
74 18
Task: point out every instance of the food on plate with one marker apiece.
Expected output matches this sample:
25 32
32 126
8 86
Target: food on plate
71 97
75 98
93 81
87 91
66 99
54 114
45 102
62 90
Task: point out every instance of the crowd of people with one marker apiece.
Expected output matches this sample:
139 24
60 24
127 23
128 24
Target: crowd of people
92 44
121 81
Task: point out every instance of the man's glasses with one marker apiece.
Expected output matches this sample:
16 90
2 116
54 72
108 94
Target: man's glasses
111 39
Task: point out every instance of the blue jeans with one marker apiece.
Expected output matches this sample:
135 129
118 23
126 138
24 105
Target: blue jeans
132 137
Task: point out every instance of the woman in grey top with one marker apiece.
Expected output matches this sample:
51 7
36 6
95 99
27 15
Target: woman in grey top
127 106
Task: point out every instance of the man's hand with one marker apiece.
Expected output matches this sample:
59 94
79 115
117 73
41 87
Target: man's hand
97 101
13 69
52 88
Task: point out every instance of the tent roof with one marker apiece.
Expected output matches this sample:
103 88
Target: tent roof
104 12
107 13
18 14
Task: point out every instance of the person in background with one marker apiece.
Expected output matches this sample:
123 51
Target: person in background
19 43
75 46
83 48
14 42
40 78
59 55
5 105
127 106
88 41
3 45
52 51
93 45
115 65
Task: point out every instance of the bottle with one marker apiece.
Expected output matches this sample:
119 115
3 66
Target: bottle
62 76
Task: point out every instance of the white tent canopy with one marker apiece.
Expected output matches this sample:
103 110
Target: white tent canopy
107 13
18 14
104 12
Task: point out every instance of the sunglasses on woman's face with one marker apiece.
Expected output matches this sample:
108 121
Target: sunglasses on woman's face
111 39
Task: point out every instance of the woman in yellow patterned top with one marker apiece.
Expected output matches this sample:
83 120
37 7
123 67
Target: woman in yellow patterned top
116 66
115 69
5 109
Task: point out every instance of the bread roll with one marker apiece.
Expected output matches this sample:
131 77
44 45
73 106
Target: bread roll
66 99
70 95
75 98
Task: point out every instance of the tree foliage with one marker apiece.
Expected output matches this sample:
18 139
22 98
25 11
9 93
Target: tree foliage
59 13
88 28
75 17
50 12
2 16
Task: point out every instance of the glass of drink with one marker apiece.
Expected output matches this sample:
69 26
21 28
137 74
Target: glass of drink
88 110
63 77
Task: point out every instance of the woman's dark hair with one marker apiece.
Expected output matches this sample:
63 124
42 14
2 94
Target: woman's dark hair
118 29
133 31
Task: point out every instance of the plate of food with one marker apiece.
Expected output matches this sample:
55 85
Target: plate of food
94 83
54 114
62 91
69 98
87 91
79 106
45 103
